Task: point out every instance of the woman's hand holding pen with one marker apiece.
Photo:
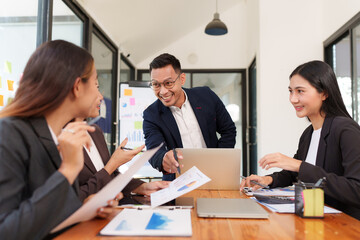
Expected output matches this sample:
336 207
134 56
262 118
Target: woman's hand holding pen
248 182
121 156
170 164
71 141
281 161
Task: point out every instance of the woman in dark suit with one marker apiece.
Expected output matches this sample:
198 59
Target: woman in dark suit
39 160
100 168
329 147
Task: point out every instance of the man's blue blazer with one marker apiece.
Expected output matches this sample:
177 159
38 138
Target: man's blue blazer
160 125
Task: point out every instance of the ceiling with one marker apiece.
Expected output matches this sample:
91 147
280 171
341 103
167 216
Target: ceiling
143 27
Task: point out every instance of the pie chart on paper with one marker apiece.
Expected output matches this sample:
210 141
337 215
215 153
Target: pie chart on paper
186 186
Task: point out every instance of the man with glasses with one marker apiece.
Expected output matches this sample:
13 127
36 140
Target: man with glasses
182 118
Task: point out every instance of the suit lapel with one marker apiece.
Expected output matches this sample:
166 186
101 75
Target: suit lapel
320 159
169 121
198 110
41 129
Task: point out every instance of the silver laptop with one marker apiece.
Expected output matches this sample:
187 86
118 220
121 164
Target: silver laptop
222 165
230 208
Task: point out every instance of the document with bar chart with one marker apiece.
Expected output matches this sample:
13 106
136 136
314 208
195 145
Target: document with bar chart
147 222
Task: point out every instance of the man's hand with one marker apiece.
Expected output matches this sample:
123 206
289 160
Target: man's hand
169 163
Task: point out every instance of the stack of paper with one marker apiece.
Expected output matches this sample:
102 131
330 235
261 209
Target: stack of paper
290 208
284 192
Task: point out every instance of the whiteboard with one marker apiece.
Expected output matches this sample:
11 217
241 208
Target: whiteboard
133 101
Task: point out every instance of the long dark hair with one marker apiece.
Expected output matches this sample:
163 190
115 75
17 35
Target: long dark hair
321 76
48 78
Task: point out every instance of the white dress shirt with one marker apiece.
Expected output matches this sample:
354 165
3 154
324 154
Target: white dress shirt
190 132
313 148
94 156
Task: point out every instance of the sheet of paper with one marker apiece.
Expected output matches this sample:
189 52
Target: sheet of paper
285 192
88 210
290 208
158 222
186 182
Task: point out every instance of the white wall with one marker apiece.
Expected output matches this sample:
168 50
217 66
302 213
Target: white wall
337 13
198 50
252 30
290 34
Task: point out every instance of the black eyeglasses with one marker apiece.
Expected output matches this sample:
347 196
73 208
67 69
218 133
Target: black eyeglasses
168 84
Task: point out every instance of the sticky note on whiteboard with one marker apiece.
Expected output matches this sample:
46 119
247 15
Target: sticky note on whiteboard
128 92
8 67
138 125
132 101
10 85
1 100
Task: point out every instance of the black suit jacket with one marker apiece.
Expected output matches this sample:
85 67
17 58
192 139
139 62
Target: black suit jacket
160 126
90 180
34 196
338 159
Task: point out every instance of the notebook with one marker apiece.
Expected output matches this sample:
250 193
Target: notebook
230 208
221 165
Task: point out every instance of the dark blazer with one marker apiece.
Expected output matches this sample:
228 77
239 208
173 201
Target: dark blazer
160 126
34 196
338 159
90 180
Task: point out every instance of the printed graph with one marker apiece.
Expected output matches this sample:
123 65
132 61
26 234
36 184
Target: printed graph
158 222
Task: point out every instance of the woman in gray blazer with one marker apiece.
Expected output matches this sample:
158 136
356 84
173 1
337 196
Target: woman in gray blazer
328 148
39 162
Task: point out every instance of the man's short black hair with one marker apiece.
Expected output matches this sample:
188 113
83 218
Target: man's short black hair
164 60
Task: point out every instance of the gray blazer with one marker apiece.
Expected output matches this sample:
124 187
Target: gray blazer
34 196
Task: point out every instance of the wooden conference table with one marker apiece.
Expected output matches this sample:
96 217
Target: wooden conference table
278 226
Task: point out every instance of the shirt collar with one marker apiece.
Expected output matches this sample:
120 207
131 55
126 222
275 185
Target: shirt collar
185 104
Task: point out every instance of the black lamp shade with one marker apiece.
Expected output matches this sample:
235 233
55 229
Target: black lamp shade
216 26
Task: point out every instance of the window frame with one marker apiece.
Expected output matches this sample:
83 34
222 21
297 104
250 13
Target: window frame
346 30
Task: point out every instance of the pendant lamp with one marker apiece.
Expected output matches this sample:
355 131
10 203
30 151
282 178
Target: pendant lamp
216 27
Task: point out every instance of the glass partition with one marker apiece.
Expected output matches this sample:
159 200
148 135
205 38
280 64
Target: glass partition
66 25
103 57
16 24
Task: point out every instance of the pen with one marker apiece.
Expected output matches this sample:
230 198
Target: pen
255 182
126 148
94 120
176 158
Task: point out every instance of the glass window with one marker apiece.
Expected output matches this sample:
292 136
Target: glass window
18 26
127 72
103 57
228 87
342 69
66 25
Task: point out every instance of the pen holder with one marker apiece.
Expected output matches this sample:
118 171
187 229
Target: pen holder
309 200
